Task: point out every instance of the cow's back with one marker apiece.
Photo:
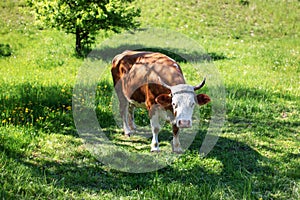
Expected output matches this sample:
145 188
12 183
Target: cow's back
139 72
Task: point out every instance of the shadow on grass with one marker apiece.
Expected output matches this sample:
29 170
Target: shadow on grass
240 166
240 169
41 107
107 53
238 92
50 107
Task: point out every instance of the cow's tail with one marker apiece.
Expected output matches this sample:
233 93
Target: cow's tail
115 68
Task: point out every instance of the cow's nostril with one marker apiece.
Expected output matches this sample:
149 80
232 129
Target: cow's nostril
184 123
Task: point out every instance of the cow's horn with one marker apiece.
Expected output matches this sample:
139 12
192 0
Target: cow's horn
163 83
197 87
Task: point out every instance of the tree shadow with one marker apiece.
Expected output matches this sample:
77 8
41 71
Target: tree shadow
41 107
50 107
107 53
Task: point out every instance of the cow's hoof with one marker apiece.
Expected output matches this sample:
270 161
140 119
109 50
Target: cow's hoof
127 135
155 151
178 151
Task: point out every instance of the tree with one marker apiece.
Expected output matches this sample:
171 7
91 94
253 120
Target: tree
85 18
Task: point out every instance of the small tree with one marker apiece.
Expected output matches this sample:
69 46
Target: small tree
85 18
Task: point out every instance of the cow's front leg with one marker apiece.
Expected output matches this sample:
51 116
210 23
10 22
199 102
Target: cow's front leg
155 127
176 147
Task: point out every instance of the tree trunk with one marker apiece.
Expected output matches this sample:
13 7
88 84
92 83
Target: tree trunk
78 42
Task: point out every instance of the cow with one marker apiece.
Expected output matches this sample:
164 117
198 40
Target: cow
154 81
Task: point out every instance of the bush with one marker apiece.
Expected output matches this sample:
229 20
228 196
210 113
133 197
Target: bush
5 50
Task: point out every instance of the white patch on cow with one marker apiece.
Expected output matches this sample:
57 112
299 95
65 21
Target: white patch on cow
183 102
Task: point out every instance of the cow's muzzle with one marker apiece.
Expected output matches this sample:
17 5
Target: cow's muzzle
184 123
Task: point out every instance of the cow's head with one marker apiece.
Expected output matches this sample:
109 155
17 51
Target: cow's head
183 100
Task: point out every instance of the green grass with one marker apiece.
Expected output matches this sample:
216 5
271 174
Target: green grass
255 47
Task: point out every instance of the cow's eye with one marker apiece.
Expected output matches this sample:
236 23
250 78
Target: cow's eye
174 105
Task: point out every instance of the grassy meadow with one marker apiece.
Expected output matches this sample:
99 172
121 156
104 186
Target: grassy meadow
255 46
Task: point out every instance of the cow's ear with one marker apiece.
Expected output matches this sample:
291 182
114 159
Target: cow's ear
164 100
202 99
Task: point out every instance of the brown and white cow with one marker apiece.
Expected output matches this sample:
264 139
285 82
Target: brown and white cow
154 81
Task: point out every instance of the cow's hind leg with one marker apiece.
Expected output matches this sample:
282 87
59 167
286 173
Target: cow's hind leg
131 123
124 109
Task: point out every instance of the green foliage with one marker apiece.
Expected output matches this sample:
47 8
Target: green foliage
85 18
245 2
5 50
